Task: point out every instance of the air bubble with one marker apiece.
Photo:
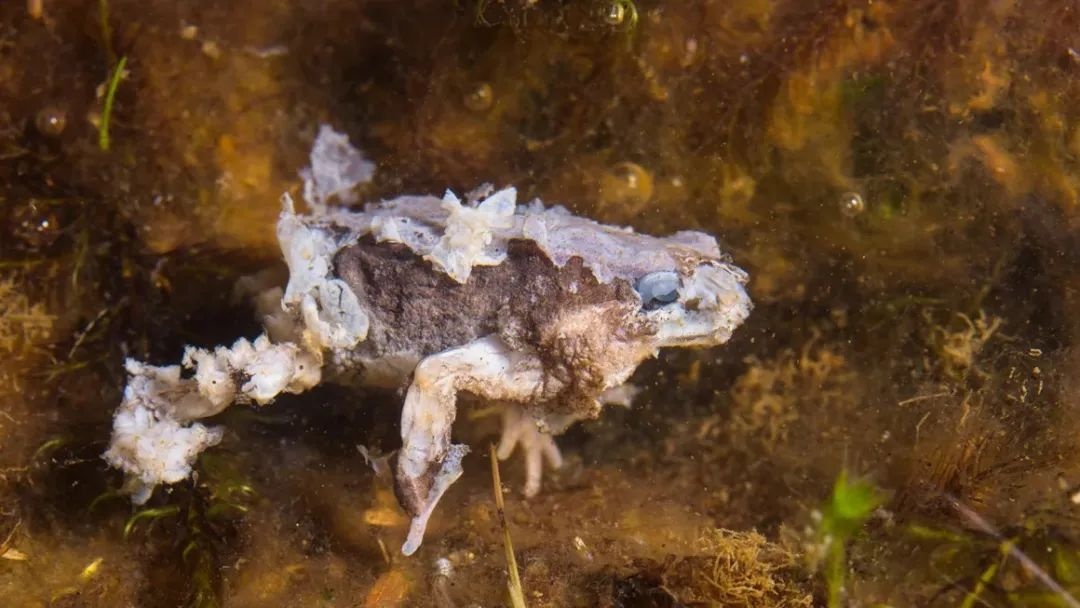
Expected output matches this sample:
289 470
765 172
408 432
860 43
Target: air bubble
852 204
50 121
615 13
35 224
480 98
631 174
627 182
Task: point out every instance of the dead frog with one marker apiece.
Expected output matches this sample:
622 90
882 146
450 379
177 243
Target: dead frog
530 306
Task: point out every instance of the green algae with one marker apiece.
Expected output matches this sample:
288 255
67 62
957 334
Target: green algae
851 504
110 97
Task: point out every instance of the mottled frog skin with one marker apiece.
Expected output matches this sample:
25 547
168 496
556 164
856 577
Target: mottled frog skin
530 307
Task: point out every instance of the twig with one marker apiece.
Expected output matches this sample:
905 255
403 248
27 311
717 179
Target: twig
513 584
7 541
923 398
85 331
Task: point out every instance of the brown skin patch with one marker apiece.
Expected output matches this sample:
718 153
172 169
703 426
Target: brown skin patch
577 327
409 492
417 309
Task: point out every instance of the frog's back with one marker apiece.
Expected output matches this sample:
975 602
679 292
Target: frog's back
415 310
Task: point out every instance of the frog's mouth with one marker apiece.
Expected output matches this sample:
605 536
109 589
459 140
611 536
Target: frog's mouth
712 302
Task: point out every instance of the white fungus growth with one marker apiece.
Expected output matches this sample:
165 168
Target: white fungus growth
336 168
151 441
154 439
466 240
329 309
429 226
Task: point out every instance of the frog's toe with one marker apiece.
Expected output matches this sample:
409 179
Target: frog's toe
419 494
521 429
543 448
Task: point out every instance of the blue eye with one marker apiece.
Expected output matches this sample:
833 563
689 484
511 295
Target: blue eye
657 289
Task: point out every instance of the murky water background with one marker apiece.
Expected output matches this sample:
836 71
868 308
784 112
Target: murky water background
895 426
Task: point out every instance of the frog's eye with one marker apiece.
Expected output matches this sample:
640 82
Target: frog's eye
657 289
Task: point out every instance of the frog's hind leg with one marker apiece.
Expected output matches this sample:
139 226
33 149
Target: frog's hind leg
156 438
427 463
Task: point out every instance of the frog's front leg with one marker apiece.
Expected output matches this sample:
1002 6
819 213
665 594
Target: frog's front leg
428 463
537 437
520 428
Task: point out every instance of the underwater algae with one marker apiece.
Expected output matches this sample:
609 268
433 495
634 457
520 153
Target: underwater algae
921 339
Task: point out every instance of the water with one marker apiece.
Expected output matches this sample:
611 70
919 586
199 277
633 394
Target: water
899 179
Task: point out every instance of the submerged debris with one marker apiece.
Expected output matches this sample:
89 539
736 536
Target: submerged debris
513 579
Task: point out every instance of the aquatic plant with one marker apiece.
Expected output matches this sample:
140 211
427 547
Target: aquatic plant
852 502
110 96
1000 560
206 513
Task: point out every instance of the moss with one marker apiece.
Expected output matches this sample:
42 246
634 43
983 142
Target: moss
773 399
739 569
25 325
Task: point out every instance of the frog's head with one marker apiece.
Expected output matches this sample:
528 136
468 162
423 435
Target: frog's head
700 300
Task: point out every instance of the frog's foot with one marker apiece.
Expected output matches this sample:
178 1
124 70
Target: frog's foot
519 428
420 494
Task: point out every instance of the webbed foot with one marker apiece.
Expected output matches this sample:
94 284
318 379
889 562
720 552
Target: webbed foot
419 494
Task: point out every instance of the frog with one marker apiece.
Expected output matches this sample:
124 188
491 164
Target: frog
541 312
